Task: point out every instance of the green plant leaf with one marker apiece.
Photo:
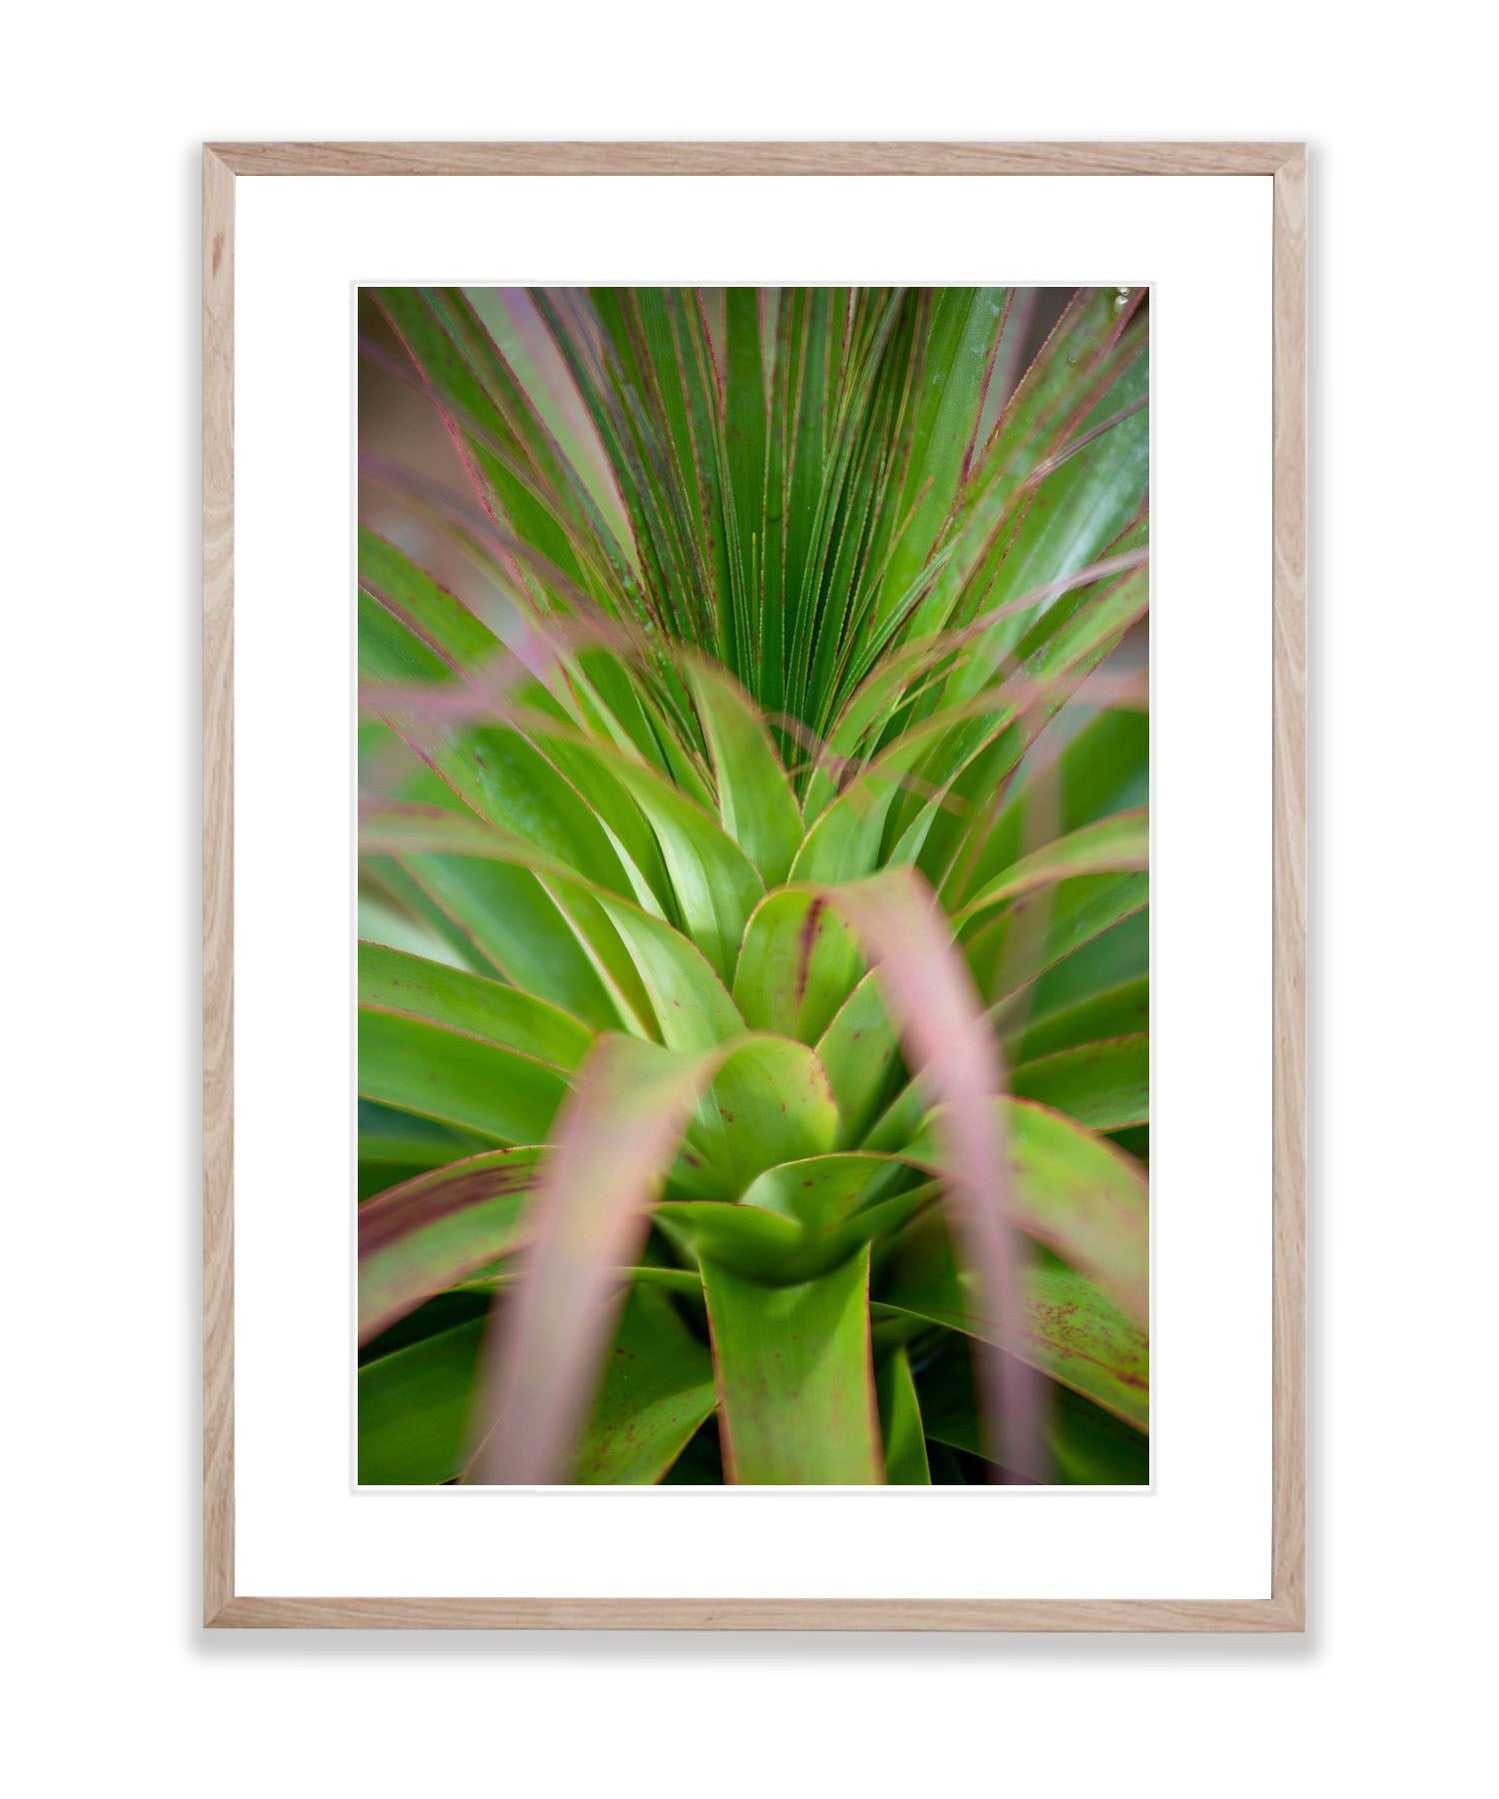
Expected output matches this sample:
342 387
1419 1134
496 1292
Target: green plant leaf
508 912
616 1134
509 781
1089 1446
383 920
1120 1011
952 1051
1016 945
691 1007
432 1231
769 1102
964 335
390 652
424 1068
1070 1330
1075 1193
614 1140
823 1191
973 746
415 1404
845 841
513 899
715 883
406 1141
1110 846
508 446
1065 385
797 965
807 763
509 758
413 1409
799 1219
861 1054
1101 962
507 1016
755 800
1103 1085
1103 769
489 887
759 1245
900 1420
405 592
1069 507
795 1378
657 1389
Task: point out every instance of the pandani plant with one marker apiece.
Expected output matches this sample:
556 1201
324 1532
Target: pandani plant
753 975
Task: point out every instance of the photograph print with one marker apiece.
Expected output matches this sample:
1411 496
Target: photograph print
753 877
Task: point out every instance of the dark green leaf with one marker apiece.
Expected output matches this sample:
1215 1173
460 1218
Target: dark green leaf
900 1419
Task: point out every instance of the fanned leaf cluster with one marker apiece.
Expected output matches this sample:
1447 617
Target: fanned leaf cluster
753 981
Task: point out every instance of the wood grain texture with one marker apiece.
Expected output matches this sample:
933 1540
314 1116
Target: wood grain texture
754 159
1288 779
218 885
1112 1615
1285 1609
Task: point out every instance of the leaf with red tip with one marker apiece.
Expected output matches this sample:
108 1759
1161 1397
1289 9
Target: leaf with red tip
951 1048
615 1136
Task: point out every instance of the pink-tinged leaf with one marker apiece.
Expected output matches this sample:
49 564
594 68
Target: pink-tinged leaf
952 1050
1073 1191
417 1239
1126 562
613 1138
1070 1331
1116 845
488 689
402 828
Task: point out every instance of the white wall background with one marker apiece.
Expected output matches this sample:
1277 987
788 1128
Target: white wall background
105 109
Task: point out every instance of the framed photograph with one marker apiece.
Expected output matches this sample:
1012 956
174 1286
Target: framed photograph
754 813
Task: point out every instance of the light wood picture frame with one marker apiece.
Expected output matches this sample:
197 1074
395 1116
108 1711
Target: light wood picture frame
1285 164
